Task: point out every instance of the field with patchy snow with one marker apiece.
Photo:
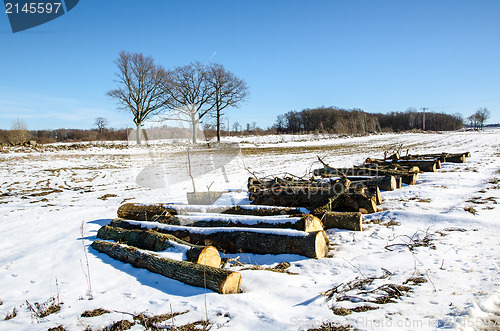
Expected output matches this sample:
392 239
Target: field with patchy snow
429 260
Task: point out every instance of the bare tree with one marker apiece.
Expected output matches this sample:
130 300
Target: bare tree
190 96
101 124
19 132
228 91
236 127
139 87
482 115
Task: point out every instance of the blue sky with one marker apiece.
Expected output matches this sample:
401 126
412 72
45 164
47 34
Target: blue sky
379 56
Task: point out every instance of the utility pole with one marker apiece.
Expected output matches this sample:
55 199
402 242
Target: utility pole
423 117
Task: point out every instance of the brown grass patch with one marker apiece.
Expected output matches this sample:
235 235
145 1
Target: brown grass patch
95 312
106 196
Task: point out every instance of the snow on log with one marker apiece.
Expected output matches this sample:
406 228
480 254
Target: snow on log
246 240
163 211
216 279
347 220
354 202
305 222
156 241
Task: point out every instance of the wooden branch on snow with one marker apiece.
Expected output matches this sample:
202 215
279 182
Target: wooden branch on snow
216 279
237 240
155 241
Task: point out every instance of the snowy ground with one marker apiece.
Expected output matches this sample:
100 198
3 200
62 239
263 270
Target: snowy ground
46 199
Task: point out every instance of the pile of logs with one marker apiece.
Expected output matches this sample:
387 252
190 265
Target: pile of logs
143 234
355 189
287 216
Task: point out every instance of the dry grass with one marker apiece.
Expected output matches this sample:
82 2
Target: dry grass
95 312
10 315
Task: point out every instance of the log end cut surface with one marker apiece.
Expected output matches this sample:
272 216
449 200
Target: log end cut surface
231 285
321 245
209 256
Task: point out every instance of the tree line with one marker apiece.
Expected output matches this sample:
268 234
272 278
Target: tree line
188 93
356 121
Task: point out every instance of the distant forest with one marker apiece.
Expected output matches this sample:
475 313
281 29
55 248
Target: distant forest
318 120
356 121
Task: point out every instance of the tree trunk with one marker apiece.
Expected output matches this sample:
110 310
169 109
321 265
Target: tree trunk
298 196
347 220
138 134
387 183
194 129
216 279
374 191
159 211
150 212
155 241
426 166
408 177
307 223
237 240
354 202
218 119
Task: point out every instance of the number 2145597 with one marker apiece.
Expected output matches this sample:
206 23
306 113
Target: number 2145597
32 8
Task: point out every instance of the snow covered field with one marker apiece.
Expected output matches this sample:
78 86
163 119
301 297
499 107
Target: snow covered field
443 261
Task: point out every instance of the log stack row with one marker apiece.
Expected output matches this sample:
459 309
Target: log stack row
148 235
287 216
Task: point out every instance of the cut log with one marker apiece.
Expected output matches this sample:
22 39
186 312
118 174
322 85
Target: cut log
307 197
348 220
155 241
216 279
145 212
352 202
163 211
387 183
426 166
307 223
237 240
455 158
374 191
399 181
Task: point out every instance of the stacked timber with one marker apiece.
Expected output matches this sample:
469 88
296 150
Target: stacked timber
443 157
408 176
182 242
238 240
307 194
216 279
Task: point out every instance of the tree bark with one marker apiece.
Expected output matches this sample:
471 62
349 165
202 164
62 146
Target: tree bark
374 191
237 240
138 134
158 211
298 196
155 241
346 220
216 279
307 223
408 177
387 183
354 202
426 166
149 212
